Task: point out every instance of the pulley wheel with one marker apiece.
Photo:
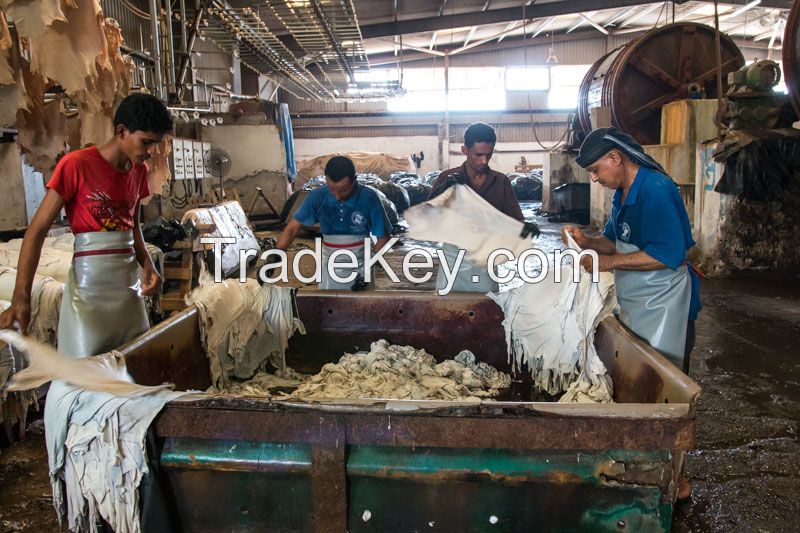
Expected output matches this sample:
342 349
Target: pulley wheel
638 79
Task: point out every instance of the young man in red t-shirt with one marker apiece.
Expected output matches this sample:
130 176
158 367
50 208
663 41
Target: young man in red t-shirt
100 188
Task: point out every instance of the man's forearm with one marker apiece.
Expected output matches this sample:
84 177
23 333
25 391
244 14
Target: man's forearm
29 256
142 255
601 245
139 246
380 243
641 261
288 235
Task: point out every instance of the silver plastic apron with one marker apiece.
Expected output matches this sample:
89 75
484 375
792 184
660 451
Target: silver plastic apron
102 307
100 310
353 243
466 270
655 305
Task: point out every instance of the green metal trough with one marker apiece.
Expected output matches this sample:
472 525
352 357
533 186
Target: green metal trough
249 464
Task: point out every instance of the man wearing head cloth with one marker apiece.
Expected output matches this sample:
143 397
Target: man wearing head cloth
644 243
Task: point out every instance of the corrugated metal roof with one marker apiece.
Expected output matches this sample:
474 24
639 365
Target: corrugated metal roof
624 23
212 64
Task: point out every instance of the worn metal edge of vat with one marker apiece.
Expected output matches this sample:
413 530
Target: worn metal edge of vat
623 425
170 352
331 431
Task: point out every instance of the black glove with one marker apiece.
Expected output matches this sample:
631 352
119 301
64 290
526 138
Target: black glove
456 178
359 284
271 271
530 229
450 180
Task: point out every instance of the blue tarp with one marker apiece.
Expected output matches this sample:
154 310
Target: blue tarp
285 124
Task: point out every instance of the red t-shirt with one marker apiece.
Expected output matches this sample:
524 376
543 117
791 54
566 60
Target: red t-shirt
97 196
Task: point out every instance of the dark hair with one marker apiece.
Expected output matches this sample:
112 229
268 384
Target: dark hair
143 112
478 132
340 167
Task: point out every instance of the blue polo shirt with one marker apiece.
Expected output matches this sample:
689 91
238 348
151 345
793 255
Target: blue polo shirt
361 214
654 219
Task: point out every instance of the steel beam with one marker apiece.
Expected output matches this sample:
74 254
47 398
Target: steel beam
496 16
187 59
385 58
158 79
334 41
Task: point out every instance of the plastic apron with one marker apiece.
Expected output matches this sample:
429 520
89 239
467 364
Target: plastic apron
101 308
655 305
331 243
466 270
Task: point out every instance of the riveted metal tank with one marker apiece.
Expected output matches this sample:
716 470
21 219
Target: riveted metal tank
228 463
637 79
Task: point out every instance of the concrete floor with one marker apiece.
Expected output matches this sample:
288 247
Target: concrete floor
745 472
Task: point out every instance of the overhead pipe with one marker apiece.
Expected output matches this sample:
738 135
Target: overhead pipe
186 60
184 36
171 88
156 38
136 54
258 39
334 40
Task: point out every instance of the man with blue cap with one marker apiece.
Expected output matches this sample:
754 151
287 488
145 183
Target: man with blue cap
644 243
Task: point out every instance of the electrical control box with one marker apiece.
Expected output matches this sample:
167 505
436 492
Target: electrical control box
197 154
188 158
178 170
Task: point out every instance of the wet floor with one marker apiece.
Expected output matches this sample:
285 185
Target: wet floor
745 471
25 497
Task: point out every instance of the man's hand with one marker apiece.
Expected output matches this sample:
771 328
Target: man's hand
529 230
19 313
580 237
456 178
151 281
359 284
605 263
439 187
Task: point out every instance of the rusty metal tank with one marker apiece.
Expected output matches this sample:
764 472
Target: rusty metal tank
637 79
228 463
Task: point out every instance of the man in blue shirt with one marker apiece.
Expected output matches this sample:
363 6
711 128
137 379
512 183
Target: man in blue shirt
644 243
347 214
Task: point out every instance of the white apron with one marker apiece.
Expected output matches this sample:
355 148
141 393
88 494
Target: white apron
655 305
466 270
331 243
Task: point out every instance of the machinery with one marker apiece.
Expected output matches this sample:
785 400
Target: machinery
752 104
636 80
